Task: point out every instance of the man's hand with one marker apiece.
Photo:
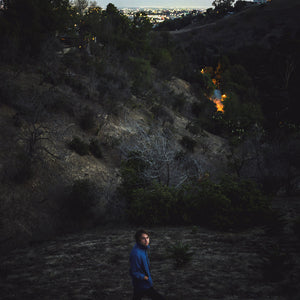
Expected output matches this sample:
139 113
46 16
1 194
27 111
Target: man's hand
146 278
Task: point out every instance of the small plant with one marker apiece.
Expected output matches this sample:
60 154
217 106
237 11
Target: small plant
180 252
95 148
188 143
194 230
79 146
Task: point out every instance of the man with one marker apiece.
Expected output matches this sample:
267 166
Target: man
140 268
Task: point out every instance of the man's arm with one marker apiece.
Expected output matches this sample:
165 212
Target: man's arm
137 268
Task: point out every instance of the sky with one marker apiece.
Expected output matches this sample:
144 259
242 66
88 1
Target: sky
157 3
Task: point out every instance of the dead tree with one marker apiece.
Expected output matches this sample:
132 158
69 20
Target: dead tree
160 152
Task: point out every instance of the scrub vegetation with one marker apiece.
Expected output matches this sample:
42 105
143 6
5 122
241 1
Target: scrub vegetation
88 94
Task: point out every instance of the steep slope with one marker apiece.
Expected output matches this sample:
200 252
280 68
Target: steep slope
42 119
259 25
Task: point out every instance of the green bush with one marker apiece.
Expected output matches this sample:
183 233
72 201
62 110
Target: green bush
249 207
204 204
180 253
79 146
132 175
230 204
140 70
153 205
95 148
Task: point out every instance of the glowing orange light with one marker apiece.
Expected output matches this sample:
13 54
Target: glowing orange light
219 103
202 71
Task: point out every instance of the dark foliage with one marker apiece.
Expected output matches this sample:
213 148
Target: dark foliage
188 143
87 119
180 253
232 203
77 207
95 148
79 146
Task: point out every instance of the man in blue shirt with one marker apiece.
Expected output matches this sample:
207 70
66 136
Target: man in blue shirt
140 268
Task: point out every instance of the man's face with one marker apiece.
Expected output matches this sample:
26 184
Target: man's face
144 240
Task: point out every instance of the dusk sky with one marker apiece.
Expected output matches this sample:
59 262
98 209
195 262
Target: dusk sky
157 3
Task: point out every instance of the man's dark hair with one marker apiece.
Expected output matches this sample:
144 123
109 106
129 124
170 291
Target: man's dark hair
139 233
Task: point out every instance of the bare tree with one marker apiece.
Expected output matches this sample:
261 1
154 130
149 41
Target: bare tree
165 163
93 4
289 68
33 134
81 5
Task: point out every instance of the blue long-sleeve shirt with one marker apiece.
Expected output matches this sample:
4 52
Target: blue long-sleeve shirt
139 267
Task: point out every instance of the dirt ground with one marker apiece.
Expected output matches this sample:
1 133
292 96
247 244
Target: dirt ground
254 264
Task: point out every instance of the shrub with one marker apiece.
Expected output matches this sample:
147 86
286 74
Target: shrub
229 204
153 205
79 146
132 175
180 252
179 102
232 203
188 143
204 204
77 85
160 112
140 70
87 120
19 169
249 207
162 59
79 203
95 148
194 127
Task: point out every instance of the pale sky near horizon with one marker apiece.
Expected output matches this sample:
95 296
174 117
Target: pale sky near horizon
157 3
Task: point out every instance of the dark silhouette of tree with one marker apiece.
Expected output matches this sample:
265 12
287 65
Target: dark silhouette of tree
27 24
222 7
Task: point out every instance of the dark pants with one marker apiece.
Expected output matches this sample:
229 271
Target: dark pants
152 293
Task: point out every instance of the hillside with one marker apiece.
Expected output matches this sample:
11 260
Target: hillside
108 116
260 25
108 125
37 198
